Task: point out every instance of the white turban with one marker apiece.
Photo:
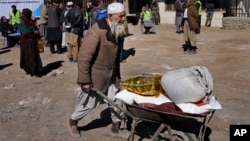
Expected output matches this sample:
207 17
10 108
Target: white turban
70 3
115 7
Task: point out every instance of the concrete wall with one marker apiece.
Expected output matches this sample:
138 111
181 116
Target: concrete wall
236 23
169 16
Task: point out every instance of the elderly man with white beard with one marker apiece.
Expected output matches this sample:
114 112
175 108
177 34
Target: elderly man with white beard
99 67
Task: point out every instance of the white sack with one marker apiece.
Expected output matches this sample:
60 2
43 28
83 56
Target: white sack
187 84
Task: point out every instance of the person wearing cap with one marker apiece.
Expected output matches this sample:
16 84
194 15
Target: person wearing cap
99 67
75 21
63 23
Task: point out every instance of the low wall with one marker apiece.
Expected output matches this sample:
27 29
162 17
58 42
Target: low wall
236 23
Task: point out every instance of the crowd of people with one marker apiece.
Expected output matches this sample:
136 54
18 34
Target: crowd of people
98 52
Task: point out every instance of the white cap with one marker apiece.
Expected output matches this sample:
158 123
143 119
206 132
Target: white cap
70 3
115 7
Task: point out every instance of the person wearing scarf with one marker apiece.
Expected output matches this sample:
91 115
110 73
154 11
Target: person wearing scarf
30 59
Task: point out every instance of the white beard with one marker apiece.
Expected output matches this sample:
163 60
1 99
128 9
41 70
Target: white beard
117 29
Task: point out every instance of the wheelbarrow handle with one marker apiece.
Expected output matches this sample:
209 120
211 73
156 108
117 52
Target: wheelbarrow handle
112 102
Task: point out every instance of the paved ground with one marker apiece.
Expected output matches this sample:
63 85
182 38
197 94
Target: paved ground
37 109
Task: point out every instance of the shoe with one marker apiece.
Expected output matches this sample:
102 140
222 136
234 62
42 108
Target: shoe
74 61
64 49
115 127
70 59
47 45
193 50
73 129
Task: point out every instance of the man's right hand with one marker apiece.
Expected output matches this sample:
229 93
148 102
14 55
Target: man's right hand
86 87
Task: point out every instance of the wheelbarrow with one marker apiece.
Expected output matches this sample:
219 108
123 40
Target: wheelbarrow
139 114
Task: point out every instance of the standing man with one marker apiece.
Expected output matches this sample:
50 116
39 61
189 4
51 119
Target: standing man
209 13
178 15
54 33
75 21
15 16
155 12
191 26
63 23
43 20
99 66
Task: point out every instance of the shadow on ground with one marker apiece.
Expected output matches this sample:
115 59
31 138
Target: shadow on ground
5 65
4 51
51 66
103 121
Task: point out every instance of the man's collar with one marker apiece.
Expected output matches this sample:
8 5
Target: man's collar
103 24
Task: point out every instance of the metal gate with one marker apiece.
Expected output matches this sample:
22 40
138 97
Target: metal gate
240 8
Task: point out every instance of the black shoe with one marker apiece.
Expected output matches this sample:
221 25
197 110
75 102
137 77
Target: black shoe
47 45
70 59
59 52
186 47
64 49
193 50
52 52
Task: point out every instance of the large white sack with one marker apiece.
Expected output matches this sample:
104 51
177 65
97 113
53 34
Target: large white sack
187 84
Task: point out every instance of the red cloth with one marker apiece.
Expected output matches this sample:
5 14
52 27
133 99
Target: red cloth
168 107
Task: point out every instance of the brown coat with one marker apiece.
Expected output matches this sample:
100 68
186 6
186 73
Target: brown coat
44 16
193 17
98 58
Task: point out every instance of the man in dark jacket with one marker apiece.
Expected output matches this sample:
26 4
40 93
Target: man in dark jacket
75 22
54 33
7 29
99 67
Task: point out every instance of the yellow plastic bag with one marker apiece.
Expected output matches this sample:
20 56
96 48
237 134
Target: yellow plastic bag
145 84
40 45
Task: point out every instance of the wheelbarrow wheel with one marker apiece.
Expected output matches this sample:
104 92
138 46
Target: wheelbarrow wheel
181 136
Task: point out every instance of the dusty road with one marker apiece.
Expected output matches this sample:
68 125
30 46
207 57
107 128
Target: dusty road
37 109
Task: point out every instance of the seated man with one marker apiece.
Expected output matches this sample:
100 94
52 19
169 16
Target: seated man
7 29
146 20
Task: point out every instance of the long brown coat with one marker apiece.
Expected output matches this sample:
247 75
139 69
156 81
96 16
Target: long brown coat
193 17
44 16
98 58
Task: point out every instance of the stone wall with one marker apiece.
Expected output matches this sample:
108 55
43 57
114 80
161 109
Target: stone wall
236 23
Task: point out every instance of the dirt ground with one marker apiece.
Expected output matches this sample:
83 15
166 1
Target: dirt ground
37 109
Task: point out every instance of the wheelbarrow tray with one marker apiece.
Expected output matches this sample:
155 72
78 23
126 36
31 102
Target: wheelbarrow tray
166 119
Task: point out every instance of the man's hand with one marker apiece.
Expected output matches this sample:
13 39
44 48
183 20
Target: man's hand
118 83
86 87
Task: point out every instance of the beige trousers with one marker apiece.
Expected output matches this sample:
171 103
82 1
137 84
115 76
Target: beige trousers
189 35
86 102
74 42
